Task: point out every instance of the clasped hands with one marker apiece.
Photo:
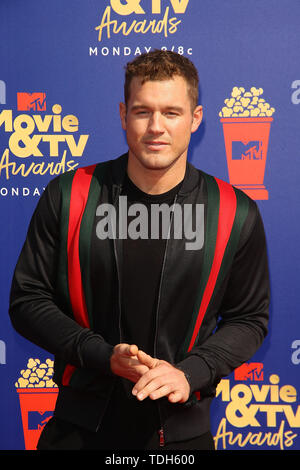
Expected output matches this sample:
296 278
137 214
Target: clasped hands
153 378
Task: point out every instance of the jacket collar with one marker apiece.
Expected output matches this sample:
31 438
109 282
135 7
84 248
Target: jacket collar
191 178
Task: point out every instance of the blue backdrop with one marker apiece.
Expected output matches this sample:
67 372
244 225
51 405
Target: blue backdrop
70 55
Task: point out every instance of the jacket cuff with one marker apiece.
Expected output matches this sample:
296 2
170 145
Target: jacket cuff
196 371
96 353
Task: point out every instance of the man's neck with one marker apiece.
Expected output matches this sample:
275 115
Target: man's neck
156 181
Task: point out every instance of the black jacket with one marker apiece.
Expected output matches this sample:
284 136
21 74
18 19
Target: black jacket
233 328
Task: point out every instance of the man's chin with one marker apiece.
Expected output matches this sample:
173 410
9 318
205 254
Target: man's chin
156 162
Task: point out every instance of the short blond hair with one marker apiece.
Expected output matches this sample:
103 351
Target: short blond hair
162 65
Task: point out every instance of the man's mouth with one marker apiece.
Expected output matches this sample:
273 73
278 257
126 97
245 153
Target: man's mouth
155 144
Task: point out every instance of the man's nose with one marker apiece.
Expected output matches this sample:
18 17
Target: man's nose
156 123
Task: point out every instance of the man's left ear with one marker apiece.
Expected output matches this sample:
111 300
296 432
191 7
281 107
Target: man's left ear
197 117
122 111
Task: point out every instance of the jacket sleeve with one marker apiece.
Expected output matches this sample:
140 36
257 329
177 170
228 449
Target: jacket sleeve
34 309
244 313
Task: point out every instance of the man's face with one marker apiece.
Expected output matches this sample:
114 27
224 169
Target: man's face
158 122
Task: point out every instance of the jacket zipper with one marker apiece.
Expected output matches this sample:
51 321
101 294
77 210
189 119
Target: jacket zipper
161 438
161 430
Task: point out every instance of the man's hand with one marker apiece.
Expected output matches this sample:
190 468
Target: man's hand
124 362
162 379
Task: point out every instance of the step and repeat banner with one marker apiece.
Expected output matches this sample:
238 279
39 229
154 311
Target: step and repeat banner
61 81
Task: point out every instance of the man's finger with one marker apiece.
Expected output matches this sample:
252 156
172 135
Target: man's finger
155 389
133 350
147 380
147 360
175 397
126 349
160 392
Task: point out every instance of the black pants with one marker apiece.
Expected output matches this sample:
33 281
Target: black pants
60 435
127 424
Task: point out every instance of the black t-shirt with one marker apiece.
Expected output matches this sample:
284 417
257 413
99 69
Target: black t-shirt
141 269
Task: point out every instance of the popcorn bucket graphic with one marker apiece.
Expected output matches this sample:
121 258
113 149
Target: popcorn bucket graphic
246 143
37 396
37 406
246 120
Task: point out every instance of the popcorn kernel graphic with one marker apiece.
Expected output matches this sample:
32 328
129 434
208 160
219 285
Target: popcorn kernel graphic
242 101
37 395
246 120
36 375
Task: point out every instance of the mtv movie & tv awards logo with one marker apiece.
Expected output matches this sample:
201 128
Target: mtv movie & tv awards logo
161 18
260 411
246 119
37 142
37 396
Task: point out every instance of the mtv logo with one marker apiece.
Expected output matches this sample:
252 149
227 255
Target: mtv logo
246 150
37 420
252 371
31 101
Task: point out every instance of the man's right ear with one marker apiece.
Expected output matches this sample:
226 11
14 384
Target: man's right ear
122 110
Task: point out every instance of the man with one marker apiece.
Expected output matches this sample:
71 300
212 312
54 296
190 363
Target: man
143 327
